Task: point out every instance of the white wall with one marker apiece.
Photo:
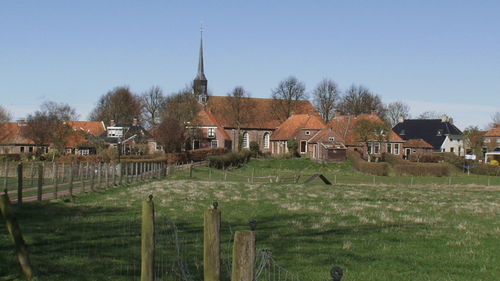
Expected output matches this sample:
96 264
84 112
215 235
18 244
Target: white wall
454 142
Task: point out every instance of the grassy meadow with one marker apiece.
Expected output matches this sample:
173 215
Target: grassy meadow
386 231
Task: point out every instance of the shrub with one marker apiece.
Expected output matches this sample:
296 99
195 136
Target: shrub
378 169
485 169
255 148
233 159
293 147
202 154
425 157
392 159
423 169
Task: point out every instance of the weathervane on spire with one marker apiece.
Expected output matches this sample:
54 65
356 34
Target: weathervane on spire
200 82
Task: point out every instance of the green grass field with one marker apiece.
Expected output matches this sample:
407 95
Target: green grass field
374 232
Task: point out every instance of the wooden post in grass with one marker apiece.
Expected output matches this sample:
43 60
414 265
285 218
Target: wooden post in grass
32 173
71 170
5 173
92 177
120 175
113 174
99 175
148 240
449 181
55 179
40 182
225 175
19 183
243 256
211 243
17 236
63 173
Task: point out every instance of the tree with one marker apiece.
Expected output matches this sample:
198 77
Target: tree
495 119
359 100
474 140
325 98
182 106
171 134
153 102
285 96
119 104
239 105
395 111
367 131
430 114
5 116
48 126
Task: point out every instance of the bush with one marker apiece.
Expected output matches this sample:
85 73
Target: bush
255 148
392 159
378 169
202 154
293 147
423 169
485 169
425 157
233 159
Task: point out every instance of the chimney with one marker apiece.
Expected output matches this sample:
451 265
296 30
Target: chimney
401 119
444 118
112 123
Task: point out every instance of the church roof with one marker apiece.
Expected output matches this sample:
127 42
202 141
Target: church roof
258 114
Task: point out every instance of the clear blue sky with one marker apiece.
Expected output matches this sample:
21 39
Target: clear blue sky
433 55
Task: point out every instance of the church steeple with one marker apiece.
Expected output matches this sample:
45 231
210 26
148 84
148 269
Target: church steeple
200 81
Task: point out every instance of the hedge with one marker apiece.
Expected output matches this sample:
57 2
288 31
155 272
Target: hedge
378 169
485 169
233 159
423 169
425 157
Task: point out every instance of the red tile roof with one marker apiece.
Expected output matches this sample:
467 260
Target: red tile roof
417 143
493 132
10 133
91 127
259 116
343 125
295 123
325 135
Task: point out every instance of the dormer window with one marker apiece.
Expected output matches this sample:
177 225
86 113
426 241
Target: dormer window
332 139
402 132
440 132
211 132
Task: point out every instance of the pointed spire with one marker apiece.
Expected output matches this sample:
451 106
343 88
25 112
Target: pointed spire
201 68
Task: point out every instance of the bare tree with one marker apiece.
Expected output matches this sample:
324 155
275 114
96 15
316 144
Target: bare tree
5 116
153 102
395 111
182 106
495 119
360 100
239 105
367 131
48 126
325 98
171 134
474 140
285 96
120 105
430 114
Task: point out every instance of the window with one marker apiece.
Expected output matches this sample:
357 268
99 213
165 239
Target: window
196 144
389 146
266 140
303 146
308 133
21 149
370 149
30 149
211 132
402 132
376 148
396 148
452 149
214 143
332 139
440 132
245 142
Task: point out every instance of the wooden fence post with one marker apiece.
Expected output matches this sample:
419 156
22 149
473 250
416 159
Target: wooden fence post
40 182
17 237
63 173
243 256
6 173
99 175
55 178
125 170
92 176
211 244
148 240
71 170
113 174
32 173
20 183
106 174
120 173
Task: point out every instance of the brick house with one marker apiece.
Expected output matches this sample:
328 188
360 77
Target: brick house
417 146
492 138
13 142
344 125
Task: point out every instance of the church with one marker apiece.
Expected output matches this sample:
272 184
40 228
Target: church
220 127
